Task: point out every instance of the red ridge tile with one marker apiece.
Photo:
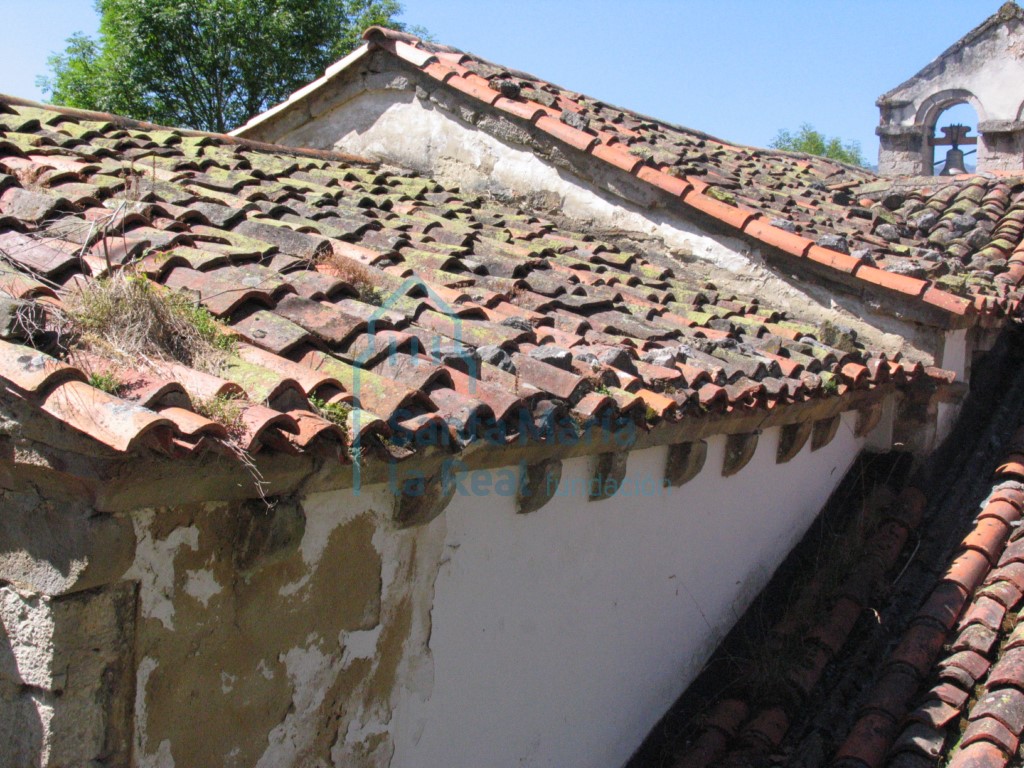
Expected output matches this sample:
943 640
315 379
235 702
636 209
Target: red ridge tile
948 302
735 217
1010 495
788 242
841 261
440 71
453 57
472 87
618 156
663 181
902 283
527 110
1001 509
571 136
1013 467
410 53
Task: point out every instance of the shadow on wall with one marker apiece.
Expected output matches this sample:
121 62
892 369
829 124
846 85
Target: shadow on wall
21 727
66 677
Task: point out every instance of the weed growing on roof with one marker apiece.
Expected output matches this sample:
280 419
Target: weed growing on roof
356 275
106 382
829 383
226 410
336 413
131 318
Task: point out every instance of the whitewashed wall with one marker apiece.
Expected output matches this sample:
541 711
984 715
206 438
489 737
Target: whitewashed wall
559 638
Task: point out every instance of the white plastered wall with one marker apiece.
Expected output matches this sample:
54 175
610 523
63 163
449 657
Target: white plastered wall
559 638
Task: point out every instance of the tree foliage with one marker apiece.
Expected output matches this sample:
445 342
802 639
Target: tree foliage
812 142
208 64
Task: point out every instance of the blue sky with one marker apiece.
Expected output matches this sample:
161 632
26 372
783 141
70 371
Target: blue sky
739 69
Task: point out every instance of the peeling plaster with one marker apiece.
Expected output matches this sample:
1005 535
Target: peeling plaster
311 673
154 566
202 585
162 757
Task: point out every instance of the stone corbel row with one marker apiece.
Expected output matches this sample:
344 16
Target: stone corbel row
540 481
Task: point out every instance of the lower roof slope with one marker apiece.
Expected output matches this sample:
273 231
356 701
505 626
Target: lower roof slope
412 308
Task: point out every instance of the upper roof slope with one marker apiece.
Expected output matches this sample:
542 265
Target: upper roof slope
306 257
949 243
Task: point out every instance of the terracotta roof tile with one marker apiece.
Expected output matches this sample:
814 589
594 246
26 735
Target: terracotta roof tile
982 754
968 570
869 741
991 730
116 423
1009 670
296 252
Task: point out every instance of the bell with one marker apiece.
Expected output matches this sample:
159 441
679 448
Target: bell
954 165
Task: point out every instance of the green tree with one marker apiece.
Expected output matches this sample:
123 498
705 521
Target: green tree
812 142
208 64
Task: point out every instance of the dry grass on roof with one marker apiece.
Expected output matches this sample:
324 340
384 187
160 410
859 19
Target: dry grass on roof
131 320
